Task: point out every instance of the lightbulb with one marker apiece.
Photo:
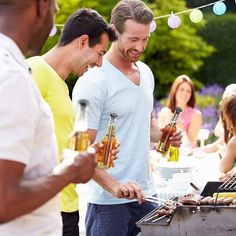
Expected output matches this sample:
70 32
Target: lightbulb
174 21
195 16
153 26
219 8
53 31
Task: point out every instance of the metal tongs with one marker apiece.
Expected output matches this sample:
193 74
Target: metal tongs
160 201
163 203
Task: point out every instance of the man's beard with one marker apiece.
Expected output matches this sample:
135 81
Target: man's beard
126 55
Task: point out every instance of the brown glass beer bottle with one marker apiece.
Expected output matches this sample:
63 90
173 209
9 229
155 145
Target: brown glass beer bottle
168 130
109 141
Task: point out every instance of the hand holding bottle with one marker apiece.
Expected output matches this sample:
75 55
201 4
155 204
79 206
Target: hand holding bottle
109 141
169 134
113 152
176 139
77 167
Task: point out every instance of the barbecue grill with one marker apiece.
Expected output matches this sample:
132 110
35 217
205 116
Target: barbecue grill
192 221
229 185
203 220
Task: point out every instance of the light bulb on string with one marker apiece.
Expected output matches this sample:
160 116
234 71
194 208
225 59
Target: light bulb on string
53 31
196 15
153 26
173 21
219 8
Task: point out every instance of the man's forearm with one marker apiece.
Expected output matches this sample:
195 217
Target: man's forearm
28 196
155 131
105 180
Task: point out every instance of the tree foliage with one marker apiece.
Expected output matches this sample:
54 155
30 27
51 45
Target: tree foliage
174 52
220 66
169 52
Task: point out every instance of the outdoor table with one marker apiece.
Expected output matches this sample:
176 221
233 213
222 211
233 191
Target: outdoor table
202 169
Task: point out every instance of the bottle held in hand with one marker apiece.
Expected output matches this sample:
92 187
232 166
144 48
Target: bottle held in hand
79 139
168 130
109 141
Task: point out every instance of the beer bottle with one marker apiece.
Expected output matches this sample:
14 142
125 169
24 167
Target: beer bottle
79 139
168 130
109 141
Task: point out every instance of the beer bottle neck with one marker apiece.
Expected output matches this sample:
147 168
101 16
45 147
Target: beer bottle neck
175 117
81 123
111 126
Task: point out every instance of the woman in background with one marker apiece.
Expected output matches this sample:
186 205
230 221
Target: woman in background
182 94
228 116
219 145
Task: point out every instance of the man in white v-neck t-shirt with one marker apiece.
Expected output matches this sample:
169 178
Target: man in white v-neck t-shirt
123 85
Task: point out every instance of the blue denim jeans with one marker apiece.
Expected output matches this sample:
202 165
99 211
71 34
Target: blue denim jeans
115 220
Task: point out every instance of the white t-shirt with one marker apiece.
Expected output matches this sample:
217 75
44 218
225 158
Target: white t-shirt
27 136
110 91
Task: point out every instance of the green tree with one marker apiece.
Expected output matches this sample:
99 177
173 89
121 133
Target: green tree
220 31
172 52
169 52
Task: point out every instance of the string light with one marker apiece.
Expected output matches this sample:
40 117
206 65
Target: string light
153 26
189 10
53 31
61 25
174 20
196 15
219 8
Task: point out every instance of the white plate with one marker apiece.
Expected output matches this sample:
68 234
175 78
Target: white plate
166 169
175 165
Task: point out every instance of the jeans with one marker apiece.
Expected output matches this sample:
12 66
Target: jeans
115 220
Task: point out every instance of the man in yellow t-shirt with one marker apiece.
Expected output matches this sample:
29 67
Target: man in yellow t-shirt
83 42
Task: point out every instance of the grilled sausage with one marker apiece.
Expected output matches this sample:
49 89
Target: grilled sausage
212 201
204 201
234 202
220 200
228 200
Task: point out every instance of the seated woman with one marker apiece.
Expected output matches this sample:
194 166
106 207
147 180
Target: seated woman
228 116
182 94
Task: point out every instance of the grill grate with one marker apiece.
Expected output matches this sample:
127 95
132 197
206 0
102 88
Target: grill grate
154 219
229 185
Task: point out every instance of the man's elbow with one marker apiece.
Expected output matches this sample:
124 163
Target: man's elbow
4 215
5 211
